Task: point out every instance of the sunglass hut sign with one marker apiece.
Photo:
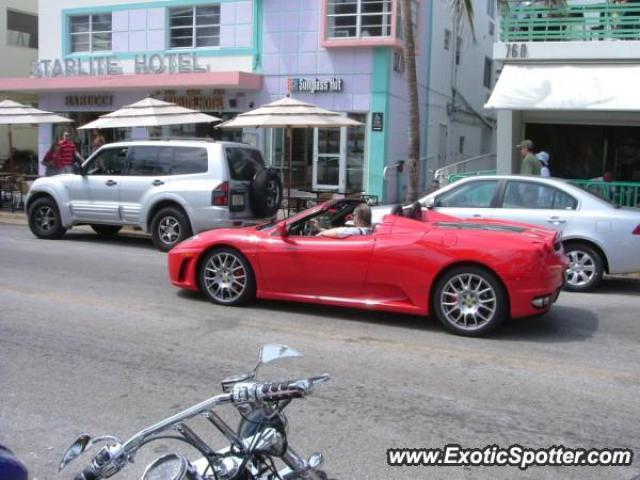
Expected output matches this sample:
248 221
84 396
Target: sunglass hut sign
316 85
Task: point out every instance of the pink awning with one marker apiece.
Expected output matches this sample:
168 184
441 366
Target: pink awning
232 80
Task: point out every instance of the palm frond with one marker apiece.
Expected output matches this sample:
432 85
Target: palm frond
463 14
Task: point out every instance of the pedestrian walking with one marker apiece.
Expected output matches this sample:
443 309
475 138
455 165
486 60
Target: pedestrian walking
51 160
97 140
67 153
530 164
543 157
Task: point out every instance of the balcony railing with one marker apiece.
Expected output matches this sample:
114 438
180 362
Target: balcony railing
531 22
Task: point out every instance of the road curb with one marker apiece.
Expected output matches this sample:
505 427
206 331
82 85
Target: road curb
17 218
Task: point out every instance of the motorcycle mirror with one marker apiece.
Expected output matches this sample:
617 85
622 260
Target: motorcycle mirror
271 352
315 461
82 444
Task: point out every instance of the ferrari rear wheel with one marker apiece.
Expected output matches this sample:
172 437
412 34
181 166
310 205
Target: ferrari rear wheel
470 301
226 277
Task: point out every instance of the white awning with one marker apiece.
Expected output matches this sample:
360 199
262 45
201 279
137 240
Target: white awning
567 87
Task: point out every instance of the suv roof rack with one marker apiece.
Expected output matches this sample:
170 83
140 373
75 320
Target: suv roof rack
164 139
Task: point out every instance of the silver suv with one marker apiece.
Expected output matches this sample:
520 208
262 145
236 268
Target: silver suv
170 188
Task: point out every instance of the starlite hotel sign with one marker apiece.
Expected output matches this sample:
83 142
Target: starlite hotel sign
111 65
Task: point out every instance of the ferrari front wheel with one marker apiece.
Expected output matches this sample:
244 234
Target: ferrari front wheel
469 301
226 277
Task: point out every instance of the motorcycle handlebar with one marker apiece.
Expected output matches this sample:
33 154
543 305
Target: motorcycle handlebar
276 391
89 473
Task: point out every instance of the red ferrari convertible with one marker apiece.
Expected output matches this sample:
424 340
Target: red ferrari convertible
471 273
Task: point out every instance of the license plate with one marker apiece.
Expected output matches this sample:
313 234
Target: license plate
237 200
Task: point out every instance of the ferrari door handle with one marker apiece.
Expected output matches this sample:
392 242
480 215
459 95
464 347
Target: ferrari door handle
110 183
556 220
157 183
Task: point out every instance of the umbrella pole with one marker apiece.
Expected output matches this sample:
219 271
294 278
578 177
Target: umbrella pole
11 159
290 148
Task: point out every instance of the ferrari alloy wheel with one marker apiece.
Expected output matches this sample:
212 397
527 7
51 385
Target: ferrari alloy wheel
226 277
585 267
44 219
469 301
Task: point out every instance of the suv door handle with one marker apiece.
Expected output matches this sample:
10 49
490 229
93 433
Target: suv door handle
556 220
157 183
110 183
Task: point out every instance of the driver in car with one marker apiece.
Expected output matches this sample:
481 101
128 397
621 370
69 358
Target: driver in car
361 225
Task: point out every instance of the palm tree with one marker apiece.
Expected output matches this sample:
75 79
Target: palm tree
463 11
412 92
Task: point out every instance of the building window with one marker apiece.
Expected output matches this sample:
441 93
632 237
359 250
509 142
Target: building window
492 29
491 8
461 145
193 27
458 50
488 66
90 33
398 62
447 39
22 29
359 18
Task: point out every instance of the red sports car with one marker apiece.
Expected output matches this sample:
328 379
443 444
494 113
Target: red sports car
471 273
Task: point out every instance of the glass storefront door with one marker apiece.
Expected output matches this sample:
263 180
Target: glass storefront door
324 159
329 159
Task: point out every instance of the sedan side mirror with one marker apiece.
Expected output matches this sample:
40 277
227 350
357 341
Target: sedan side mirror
430 203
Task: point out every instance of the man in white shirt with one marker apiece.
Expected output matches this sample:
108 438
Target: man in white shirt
361 222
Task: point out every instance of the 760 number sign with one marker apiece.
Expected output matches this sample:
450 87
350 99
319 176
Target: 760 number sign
516 50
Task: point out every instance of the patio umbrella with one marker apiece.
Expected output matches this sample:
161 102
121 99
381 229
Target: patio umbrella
14 113
150 112
289 113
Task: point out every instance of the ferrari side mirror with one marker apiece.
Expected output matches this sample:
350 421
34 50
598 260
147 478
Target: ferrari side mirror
282 229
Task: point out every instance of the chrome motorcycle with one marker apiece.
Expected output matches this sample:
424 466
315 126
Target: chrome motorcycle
259 442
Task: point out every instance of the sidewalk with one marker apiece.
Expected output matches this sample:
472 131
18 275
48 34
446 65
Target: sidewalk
20 218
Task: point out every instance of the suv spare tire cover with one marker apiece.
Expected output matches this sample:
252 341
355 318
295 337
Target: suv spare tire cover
266 193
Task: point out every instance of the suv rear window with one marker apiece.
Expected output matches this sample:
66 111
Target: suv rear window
161 160
244 163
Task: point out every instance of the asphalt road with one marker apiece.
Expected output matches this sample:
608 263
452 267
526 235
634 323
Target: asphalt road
94 339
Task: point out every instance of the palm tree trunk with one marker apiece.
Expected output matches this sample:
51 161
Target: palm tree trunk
412 99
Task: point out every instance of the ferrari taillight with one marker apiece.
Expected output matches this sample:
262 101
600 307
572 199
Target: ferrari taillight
636 231
220 196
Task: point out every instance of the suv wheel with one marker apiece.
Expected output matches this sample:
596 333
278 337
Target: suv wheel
44 219
169 227
266 193
106 229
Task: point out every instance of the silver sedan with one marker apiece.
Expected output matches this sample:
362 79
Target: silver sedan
598 237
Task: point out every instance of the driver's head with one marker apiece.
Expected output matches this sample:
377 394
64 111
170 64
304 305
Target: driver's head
362 216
